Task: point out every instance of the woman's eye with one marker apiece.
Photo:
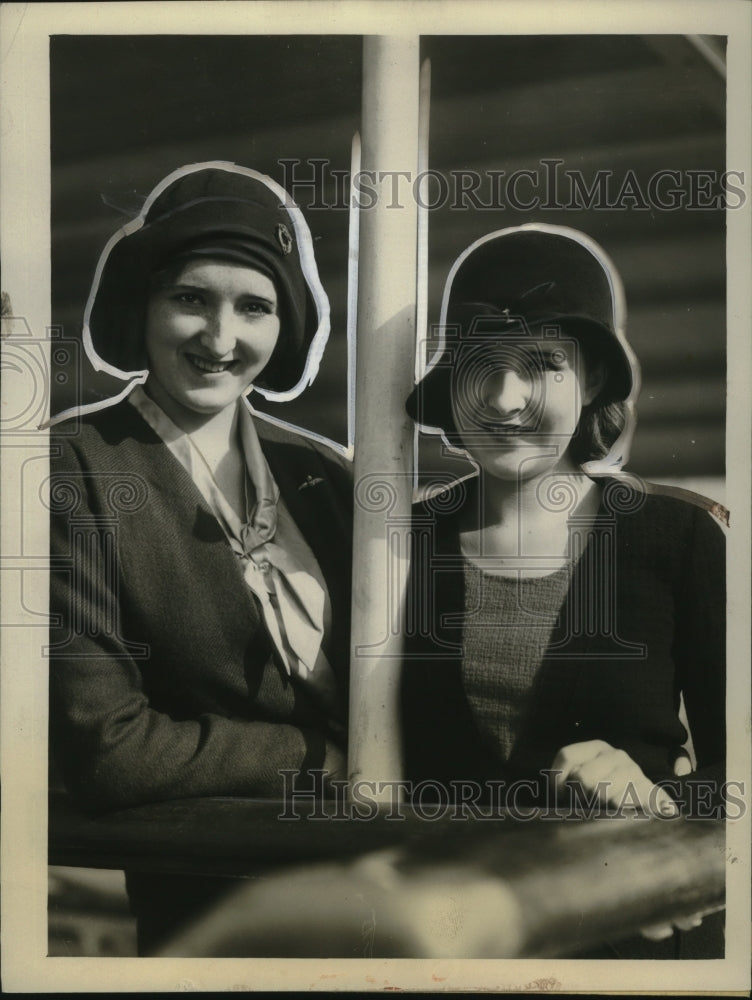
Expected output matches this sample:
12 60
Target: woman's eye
553 362
257 308
188 298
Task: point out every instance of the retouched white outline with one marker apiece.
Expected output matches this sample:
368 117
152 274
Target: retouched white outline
619 451
310 273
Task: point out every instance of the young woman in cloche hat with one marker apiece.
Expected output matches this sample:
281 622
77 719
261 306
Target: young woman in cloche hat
561 608
201 554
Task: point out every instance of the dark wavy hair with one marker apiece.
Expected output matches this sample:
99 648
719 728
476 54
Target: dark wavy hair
600 424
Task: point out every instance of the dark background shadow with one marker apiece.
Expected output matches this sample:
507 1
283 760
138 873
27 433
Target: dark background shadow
128 110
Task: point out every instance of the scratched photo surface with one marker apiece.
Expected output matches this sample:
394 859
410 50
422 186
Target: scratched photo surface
621 137
615 144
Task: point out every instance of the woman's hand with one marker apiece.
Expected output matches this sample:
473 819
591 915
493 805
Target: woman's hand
659 932
595 763
596 767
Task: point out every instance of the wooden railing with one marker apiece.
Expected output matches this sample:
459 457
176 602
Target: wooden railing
407 887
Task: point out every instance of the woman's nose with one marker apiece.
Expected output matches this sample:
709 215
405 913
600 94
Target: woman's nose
219 334
507 393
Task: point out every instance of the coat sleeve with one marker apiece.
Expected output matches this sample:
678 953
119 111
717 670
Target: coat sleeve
112 747
700 648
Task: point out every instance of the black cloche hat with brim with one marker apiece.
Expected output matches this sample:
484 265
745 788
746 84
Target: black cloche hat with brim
517 280
223 210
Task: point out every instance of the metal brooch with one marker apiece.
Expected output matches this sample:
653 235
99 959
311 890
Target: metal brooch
310 481
284 238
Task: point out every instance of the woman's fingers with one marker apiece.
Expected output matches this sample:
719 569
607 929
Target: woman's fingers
659 932
573 756
610 776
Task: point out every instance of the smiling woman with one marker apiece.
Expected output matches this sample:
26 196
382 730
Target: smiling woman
210 332
201 599
518 404
562 608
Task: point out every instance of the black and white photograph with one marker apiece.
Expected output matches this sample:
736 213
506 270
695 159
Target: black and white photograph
375 515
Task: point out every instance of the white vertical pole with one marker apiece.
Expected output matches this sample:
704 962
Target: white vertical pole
422 196
384 377
353 246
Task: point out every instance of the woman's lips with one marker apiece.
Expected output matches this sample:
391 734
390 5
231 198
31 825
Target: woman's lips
207 367
506 430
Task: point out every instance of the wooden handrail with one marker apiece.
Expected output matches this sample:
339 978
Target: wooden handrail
509 888
212 836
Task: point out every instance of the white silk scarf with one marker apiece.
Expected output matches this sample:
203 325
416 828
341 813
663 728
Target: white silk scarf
278 566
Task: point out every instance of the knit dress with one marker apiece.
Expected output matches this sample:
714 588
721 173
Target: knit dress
500 675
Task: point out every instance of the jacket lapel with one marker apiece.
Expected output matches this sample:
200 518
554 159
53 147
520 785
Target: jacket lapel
305 486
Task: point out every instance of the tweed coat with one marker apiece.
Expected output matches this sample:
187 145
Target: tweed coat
163 679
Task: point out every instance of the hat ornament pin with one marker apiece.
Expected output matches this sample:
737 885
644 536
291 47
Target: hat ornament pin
284 238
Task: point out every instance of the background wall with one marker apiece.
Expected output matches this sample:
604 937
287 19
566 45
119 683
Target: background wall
128 110
607 104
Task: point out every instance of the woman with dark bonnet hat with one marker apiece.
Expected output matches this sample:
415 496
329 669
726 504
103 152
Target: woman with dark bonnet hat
201 553
566 607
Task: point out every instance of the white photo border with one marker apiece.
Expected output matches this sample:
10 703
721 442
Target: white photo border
26 30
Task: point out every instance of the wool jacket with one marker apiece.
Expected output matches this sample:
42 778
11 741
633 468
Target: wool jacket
642 624
163 679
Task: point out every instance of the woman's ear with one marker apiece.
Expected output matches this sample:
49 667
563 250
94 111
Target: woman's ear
595 378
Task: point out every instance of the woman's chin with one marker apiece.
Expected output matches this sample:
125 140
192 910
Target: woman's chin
191 408
520 468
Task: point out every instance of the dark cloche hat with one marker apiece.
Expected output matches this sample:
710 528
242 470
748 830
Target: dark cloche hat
519 279
220 210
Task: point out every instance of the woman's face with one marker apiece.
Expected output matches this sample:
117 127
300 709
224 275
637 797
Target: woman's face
210 331
516 402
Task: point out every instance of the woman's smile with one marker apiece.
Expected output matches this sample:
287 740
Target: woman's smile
210 367
210 332
516 404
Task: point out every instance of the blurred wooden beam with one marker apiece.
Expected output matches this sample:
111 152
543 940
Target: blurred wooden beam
533 889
